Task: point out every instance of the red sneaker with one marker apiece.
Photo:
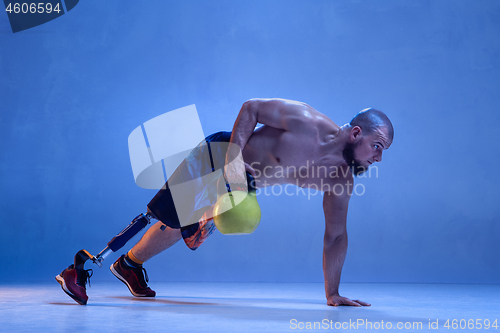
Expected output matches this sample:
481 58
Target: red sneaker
73 281
133 278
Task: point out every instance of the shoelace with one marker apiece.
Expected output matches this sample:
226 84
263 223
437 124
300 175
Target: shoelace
83 276
145 274
138 272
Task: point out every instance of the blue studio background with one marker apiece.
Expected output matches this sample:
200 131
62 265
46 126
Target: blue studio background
73 89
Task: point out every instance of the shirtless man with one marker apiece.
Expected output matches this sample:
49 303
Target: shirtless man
293 136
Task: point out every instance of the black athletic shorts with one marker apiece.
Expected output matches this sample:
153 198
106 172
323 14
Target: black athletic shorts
203 160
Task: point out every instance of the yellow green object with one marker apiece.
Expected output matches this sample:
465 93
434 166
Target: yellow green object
237 212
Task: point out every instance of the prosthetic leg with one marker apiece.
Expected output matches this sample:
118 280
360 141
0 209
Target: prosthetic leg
137 224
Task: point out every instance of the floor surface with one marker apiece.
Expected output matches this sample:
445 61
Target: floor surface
258 307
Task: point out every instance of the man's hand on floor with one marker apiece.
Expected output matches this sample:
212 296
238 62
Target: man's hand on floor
337 300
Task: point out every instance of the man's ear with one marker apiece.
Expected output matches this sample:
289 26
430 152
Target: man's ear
356 133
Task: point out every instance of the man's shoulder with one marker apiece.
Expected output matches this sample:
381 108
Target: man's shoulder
313 120
324 124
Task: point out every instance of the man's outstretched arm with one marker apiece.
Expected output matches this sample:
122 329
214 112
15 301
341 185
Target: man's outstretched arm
335 247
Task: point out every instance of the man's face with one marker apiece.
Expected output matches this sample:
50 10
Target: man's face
366 151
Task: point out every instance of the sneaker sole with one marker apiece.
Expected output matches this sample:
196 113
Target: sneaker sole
122 279
60 279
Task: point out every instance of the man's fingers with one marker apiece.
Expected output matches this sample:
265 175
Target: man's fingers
352 303
362 303
249 169
336 301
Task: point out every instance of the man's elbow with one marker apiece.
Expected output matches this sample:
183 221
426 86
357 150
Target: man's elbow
335 239
251 104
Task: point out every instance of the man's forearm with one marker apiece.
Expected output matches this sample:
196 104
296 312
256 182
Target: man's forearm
234 170
244 124
334 252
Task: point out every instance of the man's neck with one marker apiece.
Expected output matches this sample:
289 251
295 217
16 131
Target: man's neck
334 148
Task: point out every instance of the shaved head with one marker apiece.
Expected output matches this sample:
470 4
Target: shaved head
371 120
